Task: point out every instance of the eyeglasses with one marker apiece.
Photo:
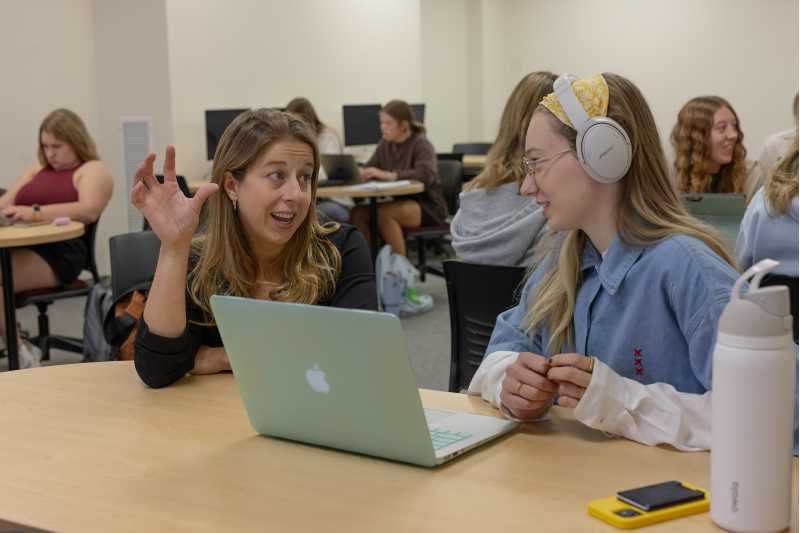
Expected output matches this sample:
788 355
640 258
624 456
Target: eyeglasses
532 166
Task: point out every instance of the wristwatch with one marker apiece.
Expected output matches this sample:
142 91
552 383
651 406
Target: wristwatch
37 212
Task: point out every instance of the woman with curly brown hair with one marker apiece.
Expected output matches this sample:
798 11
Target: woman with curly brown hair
709 154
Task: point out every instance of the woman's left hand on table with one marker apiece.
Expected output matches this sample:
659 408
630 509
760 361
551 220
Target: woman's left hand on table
18 213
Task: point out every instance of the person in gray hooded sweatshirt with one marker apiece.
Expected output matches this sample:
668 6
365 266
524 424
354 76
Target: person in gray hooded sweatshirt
494 225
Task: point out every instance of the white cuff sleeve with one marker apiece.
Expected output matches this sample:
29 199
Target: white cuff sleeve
650 414
488 380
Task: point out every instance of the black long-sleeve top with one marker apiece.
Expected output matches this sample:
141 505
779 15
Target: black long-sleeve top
161 361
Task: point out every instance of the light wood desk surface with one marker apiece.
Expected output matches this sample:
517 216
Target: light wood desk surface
13 236
354 191
89 448
347 190
474 161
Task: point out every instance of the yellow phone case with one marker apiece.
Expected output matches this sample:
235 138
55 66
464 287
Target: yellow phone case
606 508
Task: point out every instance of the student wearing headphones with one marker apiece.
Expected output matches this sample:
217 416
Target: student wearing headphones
709 152
619 321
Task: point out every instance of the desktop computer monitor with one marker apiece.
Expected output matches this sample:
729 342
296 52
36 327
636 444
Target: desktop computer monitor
419 112
362 125
216 122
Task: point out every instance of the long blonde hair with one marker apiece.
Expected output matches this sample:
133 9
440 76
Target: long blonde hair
649 211
504 160
67 127
227 263
691 140
781 184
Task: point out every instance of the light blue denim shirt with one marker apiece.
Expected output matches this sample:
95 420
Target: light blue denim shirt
649 313
765 233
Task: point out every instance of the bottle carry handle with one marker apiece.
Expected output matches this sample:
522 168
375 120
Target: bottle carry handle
757 272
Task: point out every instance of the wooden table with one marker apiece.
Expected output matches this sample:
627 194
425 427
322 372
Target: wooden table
357 191
89 448
473 165
15 237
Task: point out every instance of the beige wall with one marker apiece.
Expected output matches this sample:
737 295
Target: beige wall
262 54
446 68
47 58
673 50
132 81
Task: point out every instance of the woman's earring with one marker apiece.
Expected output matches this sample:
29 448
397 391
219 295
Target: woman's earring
233 201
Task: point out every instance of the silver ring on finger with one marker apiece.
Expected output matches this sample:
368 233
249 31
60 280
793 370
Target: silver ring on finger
519 388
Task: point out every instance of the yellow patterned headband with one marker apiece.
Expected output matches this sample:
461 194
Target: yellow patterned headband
591 92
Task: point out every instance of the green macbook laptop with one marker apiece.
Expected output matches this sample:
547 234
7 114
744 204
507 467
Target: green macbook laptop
339 378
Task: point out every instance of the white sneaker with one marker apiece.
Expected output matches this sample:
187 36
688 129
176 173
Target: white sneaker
415 303
29 355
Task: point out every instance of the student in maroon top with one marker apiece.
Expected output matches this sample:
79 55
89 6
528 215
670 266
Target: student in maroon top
68 180
404 153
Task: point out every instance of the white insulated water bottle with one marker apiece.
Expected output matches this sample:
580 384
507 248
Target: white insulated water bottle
753 390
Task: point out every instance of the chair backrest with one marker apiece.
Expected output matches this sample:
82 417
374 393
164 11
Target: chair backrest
451 178
450 156
472 148
133 260
182 185
791 283
89 236
477 294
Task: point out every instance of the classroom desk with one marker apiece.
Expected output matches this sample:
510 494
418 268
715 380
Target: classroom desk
14 237
353 191
473 165
87 447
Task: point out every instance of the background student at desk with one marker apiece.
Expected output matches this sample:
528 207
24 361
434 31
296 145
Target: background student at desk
263 241
404 153
620 320
68 180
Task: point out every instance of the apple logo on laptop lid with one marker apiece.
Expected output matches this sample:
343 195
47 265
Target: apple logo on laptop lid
316 380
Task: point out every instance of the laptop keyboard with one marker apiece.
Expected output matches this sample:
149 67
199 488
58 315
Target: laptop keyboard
442 437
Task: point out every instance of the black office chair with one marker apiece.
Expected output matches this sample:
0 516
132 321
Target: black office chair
472 148
182 185
450 173
450 156
791 283
477 294
43 298
133 261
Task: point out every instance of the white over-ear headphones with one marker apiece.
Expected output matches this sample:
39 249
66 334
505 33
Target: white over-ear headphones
603 146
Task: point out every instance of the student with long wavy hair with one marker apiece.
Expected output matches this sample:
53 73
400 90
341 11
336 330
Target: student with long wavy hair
68 180
619 321
404 153
495 225
709 152
263 241
769 228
